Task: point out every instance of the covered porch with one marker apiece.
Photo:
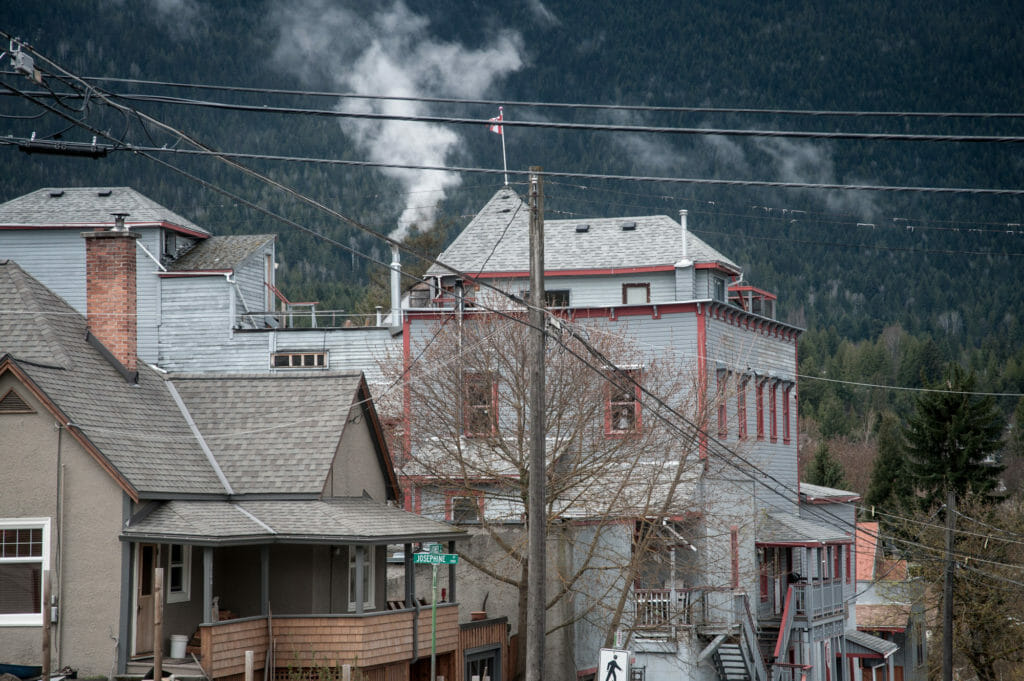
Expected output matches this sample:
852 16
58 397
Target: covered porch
301 584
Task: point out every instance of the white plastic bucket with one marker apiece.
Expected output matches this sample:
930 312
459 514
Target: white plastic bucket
178 644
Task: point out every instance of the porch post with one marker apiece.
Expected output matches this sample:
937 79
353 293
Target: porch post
451 575
207 585
410 576
124 626
360 596
264 579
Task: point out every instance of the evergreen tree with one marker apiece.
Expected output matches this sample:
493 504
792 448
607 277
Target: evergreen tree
951 439
890 489
825 469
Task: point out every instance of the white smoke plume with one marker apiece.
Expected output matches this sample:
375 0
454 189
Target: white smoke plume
375 49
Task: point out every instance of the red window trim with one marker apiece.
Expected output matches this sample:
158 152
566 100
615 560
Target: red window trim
741 407
772 410
644 285
785 414
759 398
722 385
468 378
609 430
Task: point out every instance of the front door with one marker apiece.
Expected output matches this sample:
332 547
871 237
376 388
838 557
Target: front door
147 557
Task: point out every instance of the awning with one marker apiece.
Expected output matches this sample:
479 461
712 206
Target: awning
861 643
790 529
348 520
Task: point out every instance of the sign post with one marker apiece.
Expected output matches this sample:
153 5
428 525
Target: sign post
433 558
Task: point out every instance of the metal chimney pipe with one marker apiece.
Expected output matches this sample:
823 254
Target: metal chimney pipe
396 291
682 221
119 225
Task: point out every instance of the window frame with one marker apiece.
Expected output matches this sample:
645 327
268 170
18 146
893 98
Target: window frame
644 286
475 497
321 359
785 413
369 576
773 432
469 380
759 399
721 387
629 374
27 619
741 406
184 593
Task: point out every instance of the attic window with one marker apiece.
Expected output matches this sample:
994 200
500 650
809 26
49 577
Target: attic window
628 226
57 194
105 192
581 229
13 403
299 360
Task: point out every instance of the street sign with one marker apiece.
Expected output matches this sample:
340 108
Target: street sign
435 558
613 665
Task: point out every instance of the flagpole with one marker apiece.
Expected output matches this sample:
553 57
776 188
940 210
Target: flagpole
504 157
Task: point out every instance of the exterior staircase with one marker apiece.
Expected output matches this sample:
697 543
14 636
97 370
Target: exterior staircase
730 663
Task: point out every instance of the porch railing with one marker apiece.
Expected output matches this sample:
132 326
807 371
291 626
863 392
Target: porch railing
818 598
317 641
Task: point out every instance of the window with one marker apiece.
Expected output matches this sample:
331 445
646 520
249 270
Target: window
622 403
722 378
368 560
465 509
480 404
718 291
24 555
299 360
759 399
636 294
785 413
179 573
741 408
552 297
772 412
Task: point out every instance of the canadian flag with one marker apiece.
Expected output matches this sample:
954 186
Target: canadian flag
496 126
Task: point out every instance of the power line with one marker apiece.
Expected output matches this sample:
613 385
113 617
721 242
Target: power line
590 176
567 105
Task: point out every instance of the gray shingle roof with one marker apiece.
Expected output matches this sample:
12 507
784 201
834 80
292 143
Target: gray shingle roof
271 433
788 528
860 643
138 429
497 240
70 206
821 493
220 252
335 520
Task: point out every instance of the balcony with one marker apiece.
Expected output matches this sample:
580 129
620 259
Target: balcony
318 641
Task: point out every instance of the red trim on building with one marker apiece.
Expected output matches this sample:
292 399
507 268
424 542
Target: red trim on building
194 273
106 225
702 377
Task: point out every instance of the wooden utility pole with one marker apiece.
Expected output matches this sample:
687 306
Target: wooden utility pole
536 624
158 623
46 625
947 596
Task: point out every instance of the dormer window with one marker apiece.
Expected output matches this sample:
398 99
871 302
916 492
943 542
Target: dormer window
718 288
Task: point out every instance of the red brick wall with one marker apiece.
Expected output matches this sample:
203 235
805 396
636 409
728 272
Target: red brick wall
110 292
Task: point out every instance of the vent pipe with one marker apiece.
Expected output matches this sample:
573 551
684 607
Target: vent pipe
396 291
682 221
119 225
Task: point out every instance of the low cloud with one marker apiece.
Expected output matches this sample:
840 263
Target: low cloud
389 50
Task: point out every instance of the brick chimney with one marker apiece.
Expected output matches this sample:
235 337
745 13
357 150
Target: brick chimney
110 292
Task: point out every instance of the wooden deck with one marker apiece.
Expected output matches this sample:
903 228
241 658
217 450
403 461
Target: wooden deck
326 641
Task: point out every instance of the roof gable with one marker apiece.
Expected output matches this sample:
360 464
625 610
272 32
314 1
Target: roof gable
135 431
89 206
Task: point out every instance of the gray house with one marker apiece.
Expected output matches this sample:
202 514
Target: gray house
767 583
267 501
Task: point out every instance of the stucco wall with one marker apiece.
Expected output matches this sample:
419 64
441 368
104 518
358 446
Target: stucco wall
84 556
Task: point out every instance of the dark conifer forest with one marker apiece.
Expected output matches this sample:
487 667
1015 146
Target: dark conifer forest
889 285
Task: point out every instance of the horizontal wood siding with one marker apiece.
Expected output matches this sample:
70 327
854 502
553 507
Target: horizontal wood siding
55 257
147 293
251 276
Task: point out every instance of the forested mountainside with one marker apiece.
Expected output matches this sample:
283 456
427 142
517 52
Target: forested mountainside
889 284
